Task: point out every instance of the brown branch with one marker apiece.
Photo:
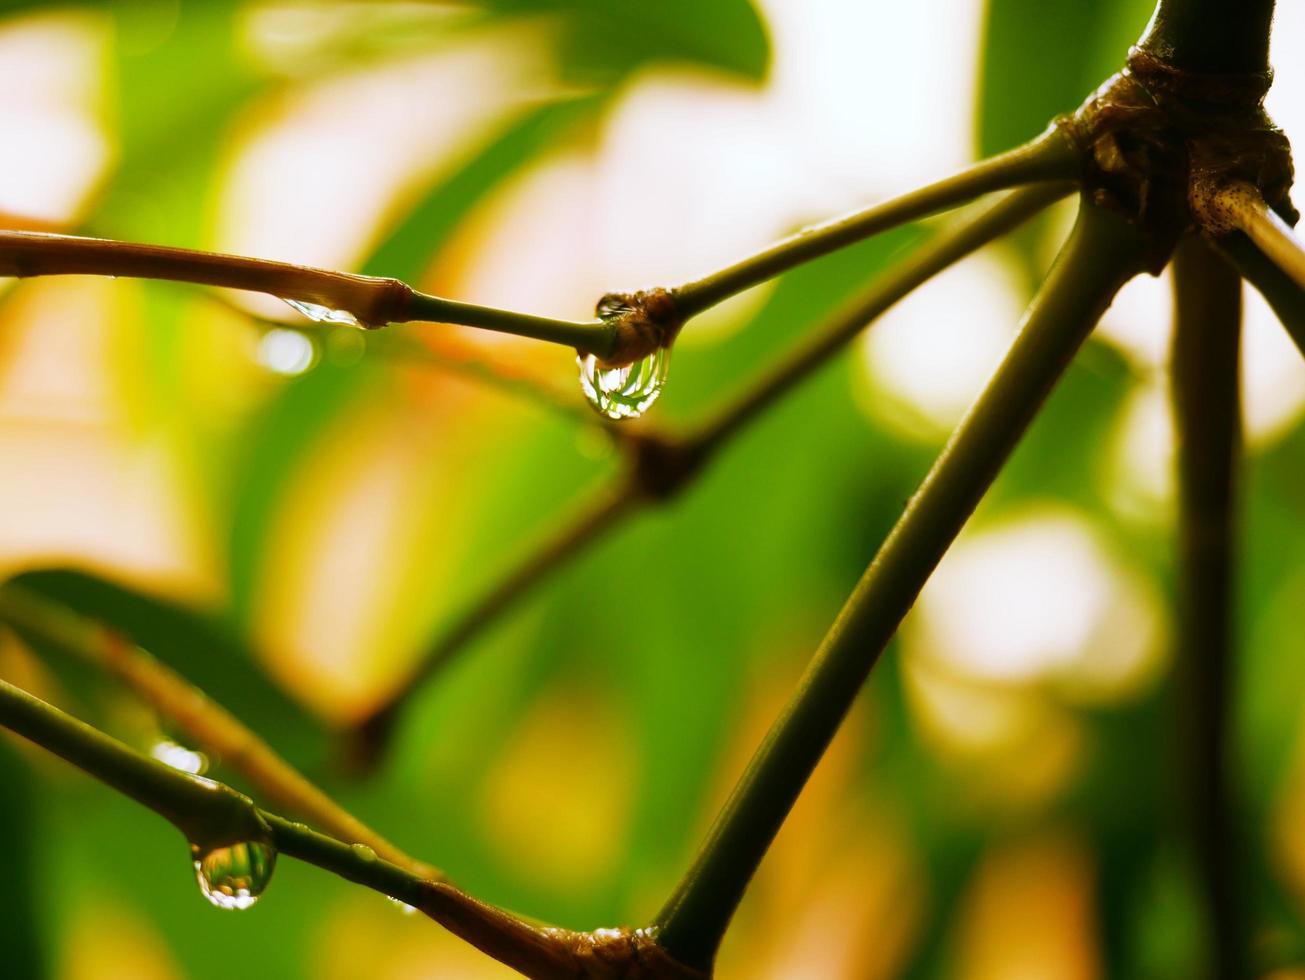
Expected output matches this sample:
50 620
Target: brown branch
369 300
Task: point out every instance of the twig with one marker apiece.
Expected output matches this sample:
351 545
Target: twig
213 815
210 725
369 300
649 319
1103 252
1207 416
1286 298
591 521
396 346
664 465
1239 206
1052 156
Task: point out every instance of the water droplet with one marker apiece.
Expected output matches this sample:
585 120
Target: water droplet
363 852
179 757
623 392
402 906
232 877
323 314
286 352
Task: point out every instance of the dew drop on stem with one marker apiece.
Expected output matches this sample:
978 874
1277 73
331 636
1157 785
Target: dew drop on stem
623 392
234 875
322 314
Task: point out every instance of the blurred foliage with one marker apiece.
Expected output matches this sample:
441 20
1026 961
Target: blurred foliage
566 765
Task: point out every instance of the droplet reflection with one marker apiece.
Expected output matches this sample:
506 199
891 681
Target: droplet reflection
232 877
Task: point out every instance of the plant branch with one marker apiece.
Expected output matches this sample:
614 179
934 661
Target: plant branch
1239 206
939 253
1207 415
663 465
1051 156
1227 37
207 723
370 300
212 815
1103 252
1282 292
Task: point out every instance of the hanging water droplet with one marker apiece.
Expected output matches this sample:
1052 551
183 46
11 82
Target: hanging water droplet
623 392
232 877
402 906
322 314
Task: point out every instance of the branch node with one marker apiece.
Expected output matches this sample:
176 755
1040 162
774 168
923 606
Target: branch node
660 465
642 322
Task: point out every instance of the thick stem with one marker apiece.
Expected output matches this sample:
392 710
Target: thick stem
1207 415
1052 156
1103 252
1225 37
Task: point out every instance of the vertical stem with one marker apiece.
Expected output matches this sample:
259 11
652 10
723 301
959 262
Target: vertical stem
1227 37
1207 416
1103 252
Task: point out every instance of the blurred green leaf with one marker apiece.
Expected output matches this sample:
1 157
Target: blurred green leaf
22 938
608 39
1040 61
195 645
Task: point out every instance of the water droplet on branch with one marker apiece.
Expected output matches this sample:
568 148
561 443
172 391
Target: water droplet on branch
322 314
232 877
623 392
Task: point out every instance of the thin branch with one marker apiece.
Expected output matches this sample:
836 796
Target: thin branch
664 465
647 319
1239 206
1051 156
941 252
1103 252
212 815
208 724
368 300
589 524
397 346
1207 415
1282 292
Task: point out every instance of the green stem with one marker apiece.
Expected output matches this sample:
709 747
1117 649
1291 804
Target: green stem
1052 156
210 814
926 262
1225 37
1207 416
588 526
193 712
1282 292
1102 253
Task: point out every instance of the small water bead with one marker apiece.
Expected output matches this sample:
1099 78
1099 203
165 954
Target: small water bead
232 877
363 852
322 314
623 392
401 905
